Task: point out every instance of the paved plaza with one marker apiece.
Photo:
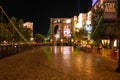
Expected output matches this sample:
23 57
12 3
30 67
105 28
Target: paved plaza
58 63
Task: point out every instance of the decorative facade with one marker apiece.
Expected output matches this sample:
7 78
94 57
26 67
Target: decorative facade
61 29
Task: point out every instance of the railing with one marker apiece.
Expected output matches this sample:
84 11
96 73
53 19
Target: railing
8 50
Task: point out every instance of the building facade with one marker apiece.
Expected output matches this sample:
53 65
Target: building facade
30 26
62 30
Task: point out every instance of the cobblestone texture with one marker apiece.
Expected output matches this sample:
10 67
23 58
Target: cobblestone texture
44 64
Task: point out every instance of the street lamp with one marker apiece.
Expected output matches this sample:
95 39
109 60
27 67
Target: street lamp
118 16
118 69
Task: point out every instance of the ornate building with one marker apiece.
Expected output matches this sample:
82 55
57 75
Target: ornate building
30 26
62 30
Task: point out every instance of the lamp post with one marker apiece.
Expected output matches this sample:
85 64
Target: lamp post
118 69
118 16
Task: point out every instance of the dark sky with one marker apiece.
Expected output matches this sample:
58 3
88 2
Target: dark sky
40 11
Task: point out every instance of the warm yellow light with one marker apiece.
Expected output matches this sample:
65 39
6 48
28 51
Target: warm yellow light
103 42
51 40
115 43
61 40
72 40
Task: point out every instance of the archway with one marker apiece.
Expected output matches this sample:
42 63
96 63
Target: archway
56 33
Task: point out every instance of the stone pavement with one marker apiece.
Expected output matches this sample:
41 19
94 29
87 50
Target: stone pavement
44 64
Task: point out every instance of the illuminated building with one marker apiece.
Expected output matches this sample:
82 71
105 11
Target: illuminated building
64 28
30 26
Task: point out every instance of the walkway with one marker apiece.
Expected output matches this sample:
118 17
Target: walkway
42 64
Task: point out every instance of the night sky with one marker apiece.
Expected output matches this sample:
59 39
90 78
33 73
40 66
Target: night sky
40 11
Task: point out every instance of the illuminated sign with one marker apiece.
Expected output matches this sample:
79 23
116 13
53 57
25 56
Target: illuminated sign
110 9
67 32
88 28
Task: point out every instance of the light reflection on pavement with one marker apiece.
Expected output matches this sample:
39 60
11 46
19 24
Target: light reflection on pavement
57 63
75 62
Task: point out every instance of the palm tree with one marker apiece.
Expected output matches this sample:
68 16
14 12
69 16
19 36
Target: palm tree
97 22
2 32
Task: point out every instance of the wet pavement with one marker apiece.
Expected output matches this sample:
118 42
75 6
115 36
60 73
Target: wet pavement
58 63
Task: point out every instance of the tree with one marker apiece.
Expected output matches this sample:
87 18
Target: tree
39 37
97 21
20 22
3 32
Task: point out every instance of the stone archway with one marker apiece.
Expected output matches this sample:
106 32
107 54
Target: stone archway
56 33
56 29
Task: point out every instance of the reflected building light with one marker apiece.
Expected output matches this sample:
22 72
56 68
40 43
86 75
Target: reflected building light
55 49
66 50
61 49
72 48
89 68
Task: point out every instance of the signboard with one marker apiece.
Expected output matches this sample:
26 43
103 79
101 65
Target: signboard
67 32
109 9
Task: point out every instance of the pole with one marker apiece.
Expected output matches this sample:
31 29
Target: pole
118 16
13 25
118 68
